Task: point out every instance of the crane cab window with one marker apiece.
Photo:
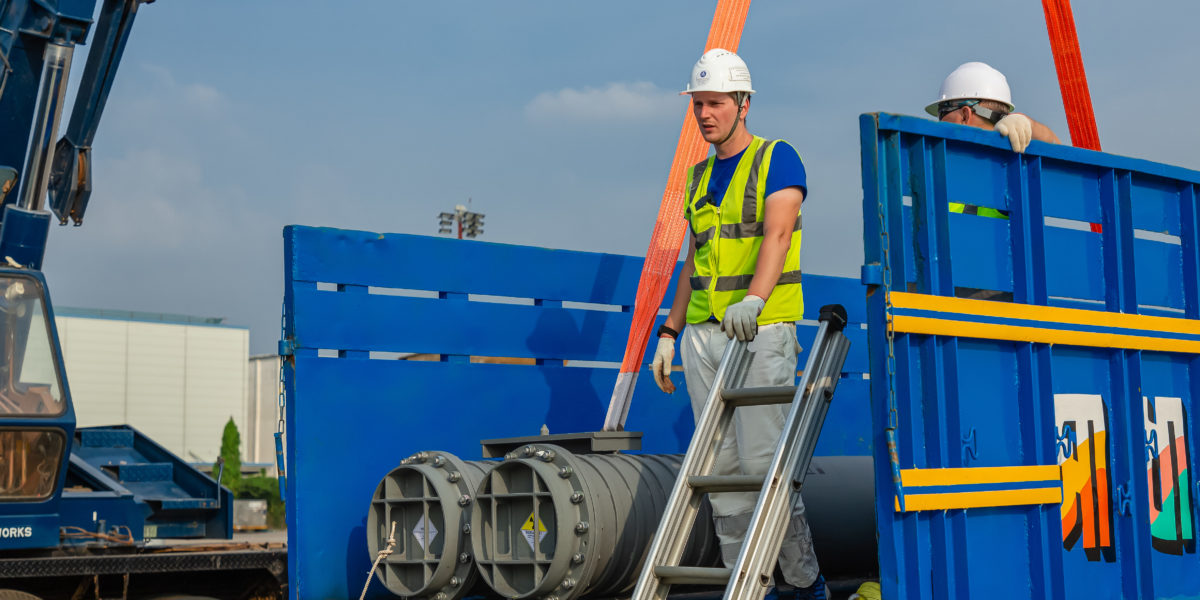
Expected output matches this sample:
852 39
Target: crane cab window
29 460
30 384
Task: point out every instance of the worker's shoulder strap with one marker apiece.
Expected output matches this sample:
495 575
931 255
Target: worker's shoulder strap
695 174
750 197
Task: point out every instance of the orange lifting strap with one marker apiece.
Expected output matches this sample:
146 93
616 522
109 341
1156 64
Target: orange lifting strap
1068 63
670 227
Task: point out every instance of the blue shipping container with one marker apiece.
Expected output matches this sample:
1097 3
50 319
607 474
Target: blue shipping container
1034 374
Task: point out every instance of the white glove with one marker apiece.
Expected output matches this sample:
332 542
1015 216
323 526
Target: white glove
1018 128
661 366
741 319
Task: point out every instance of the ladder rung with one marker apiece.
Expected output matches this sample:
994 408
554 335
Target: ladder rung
708 484
693 575
755 396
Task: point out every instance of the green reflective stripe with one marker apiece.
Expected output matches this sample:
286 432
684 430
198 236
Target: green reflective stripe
744 230
982 211
750 198
700 283
733 283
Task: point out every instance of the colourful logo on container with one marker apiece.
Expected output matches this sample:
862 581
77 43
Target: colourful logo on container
1082 428
1171 526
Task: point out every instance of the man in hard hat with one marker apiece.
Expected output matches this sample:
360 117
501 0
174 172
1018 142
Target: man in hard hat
975 94
741 279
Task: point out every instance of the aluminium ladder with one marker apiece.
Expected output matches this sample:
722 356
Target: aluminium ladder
780 489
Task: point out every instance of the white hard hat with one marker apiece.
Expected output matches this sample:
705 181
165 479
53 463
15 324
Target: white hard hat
719 70
973 80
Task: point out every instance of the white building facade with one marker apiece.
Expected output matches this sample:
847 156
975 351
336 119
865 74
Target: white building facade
262 415
177 379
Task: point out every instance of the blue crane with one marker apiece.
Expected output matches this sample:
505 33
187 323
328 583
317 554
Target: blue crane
103 491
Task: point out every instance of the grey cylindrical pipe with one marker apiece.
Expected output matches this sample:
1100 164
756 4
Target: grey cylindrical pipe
555 525
428 497
839 500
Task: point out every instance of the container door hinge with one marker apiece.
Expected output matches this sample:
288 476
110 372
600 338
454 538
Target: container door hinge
872 274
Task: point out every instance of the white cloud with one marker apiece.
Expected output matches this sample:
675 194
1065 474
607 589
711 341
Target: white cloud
626 101
197 96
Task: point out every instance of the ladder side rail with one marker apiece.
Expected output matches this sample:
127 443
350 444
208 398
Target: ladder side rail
767 528
684 503
815 408
749 579
822 393
768 524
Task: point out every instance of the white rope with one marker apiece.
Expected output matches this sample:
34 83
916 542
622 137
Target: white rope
391 543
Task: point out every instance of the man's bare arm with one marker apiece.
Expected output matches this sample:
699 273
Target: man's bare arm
1042 133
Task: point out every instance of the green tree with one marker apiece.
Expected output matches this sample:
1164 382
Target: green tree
231 444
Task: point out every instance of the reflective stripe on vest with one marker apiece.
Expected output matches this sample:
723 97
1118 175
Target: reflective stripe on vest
983 211
728 239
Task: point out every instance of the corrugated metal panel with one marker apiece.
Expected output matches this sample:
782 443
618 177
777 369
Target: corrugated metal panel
262 411
215 387
156 385
95 353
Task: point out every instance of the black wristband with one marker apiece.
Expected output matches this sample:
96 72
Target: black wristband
667 330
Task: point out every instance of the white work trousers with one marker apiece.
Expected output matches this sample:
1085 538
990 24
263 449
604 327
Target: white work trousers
750 443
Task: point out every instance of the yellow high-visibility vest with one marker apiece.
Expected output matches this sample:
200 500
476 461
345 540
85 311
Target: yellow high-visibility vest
728 238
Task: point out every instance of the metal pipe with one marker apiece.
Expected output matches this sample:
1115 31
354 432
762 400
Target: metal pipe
428 497
56 67
555 525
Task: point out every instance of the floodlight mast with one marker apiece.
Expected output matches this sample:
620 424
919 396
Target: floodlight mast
468 224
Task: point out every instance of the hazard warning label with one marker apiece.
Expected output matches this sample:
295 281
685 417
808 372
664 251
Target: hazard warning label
424 531
533 530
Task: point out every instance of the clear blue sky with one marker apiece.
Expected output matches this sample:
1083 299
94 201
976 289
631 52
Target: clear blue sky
231 119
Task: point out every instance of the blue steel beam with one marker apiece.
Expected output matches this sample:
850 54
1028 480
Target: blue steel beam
71 180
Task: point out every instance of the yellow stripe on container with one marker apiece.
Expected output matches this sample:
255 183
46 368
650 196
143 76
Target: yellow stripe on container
910 478
1017 333
1049 314
960 500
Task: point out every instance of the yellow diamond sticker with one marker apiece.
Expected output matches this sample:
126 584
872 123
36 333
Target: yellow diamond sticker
532 529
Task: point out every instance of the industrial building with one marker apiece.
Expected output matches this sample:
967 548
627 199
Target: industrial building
176 378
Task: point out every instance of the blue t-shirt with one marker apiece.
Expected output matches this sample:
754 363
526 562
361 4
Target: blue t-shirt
786 170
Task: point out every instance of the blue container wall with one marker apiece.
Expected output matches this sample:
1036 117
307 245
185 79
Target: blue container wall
1044 367
354 301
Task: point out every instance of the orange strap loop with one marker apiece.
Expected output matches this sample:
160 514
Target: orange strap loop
1068 63
670 227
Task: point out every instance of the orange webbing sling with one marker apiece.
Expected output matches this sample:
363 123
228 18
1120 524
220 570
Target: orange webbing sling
669 228
1068 63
